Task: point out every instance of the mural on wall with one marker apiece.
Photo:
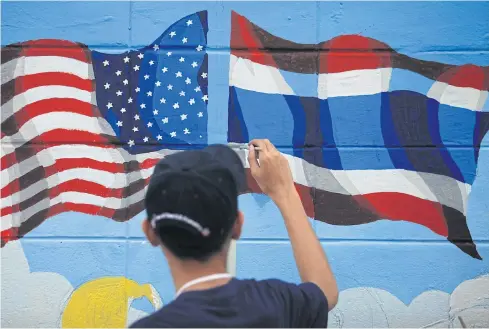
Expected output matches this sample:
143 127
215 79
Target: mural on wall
105 302
53 302
410 110
465 307
387 151
114 112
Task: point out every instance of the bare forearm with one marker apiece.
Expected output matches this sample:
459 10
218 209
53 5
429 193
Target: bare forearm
309 255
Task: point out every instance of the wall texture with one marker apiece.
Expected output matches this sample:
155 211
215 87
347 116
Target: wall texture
381 109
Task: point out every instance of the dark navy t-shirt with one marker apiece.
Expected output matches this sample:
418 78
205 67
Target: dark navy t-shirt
244 304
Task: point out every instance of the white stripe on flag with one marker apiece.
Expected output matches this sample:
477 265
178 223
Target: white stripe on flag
14 220
44 92
48 157
357 182
104 178
354 83
55 120
23 66
464 97
249 75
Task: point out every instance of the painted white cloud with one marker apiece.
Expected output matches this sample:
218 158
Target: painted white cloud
133 315
470 301
30 299
371 307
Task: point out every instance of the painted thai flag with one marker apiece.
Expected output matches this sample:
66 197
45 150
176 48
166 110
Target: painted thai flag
373 134
82 130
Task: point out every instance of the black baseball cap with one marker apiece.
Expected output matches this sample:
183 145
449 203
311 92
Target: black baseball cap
192 199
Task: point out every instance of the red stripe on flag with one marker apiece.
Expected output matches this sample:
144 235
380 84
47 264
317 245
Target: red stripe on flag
9 235
62 48
398 206
66 164
244 37
53 79
66 136
55 138
54 105
469 76
388 205
82 186
353 52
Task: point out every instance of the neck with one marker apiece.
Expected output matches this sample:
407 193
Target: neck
185 271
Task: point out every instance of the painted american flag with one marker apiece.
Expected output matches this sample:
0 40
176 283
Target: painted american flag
82 130
369 133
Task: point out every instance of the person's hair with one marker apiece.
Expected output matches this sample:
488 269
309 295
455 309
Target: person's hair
202 200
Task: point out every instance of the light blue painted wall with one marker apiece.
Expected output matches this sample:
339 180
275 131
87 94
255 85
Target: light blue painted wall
402 258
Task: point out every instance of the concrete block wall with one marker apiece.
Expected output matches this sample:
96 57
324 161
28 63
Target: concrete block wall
70 266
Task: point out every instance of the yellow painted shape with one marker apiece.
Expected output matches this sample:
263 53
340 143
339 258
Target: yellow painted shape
105 302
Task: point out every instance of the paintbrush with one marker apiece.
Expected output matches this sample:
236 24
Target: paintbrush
242 146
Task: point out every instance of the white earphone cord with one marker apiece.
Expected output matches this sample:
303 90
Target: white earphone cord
203 279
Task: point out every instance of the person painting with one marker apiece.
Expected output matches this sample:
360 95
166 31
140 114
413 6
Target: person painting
192 208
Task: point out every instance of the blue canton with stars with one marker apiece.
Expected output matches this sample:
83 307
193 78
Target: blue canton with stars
156 97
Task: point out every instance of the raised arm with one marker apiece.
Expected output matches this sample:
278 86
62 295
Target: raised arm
273 175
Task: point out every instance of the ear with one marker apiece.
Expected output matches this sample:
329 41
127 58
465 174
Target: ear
150 233
238 225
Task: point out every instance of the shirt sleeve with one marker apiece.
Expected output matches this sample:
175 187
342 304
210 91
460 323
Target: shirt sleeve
305 304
